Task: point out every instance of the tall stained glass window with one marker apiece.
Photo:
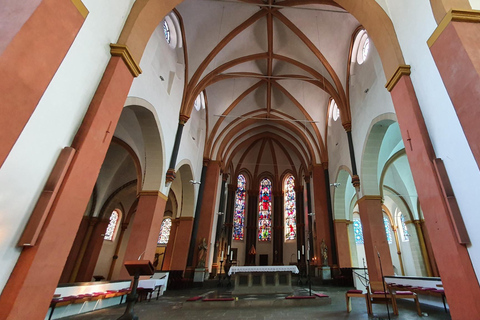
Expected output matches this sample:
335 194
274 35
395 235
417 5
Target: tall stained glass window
357 229
387 229
112 226
405 234
165 231
239 214
290 209
265 211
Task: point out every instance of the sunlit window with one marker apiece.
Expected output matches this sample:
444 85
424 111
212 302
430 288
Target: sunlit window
199 102
405 234
362 46
239 214
290 209
387 229
165 231
265 211
334 111
112 226
166 31
357 230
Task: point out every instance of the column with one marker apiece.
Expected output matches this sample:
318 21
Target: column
300 224
229 213
374 237
220 222
322 214
207 211
167 259
310 219
146 224
181 244
278 228
176 146
452 258
30 59
251 228
343 246
41 266
426 247
455 48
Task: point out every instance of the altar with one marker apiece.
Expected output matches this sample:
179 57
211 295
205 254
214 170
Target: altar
262 279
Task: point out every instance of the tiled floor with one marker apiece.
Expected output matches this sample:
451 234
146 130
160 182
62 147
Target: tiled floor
171 306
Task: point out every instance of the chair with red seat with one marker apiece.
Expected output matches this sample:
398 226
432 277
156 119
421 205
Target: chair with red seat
358 294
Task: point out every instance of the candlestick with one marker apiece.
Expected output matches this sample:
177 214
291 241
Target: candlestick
228 250
298 254
303 250
231 255
221 259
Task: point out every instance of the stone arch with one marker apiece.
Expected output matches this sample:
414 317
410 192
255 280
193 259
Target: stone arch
188 190
340 205
153 143
370 175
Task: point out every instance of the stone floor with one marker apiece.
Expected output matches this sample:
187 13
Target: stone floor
172 305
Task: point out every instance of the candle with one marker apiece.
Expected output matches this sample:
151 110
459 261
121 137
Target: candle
303 250
231 255
228 250
298 253
308 256
221 259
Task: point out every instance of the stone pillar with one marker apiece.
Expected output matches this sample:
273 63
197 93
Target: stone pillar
252 221
207 212
30 59
278 228
220 222
41 266
229 213
310 219
145 228
176 146
456 50
322 215
343 246
75 251
181 244
167 259
90 258
427 252
452 258
300 224
374 237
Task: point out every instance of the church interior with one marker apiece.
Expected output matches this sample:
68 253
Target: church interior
323 135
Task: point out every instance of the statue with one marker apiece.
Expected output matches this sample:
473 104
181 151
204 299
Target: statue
202 253
324 253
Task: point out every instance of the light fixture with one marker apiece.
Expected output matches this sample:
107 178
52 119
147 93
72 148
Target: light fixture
195 182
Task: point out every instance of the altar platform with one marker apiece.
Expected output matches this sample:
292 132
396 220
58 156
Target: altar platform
262 279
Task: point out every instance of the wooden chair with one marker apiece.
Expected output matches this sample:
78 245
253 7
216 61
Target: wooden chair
408 295
358 294
378 295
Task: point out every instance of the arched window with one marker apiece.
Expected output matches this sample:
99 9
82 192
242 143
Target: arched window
290 209
334 111
166 31
387 229
404 230
165 231
239 214
265 211
357 230
112 226
362 46
199 102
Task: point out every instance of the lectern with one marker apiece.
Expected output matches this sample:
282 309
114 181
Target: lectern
136 269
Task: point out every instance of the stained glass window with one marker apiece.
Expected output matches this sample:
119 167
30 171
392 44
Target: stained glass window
265 211
290 209
165 231
405 234
387 230
239 214
357 230
112 226
166 31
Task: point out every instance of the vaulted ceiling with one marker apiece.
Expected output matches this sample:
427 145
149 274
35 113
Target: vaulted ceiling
268 69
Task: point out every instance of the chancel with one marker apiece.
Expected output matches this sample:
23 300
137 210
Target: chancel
245 146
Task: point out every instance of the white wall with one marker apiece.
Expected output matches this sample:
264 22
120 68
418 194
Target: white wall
414 24
55 122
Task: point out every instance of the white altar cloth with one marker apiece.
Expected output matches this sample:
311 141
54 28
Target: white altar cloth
237 269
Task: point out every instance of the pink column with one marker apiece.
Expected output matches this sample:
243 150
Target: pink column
343 247
182 244
30 59
322 231
145 228
41 266
374 237
456 51
454 264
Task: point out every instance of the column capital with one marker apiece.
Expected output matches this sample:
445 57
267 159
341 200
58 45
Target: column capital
347 126
122 51
170 176
455 15
152 193
183 119
402 70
